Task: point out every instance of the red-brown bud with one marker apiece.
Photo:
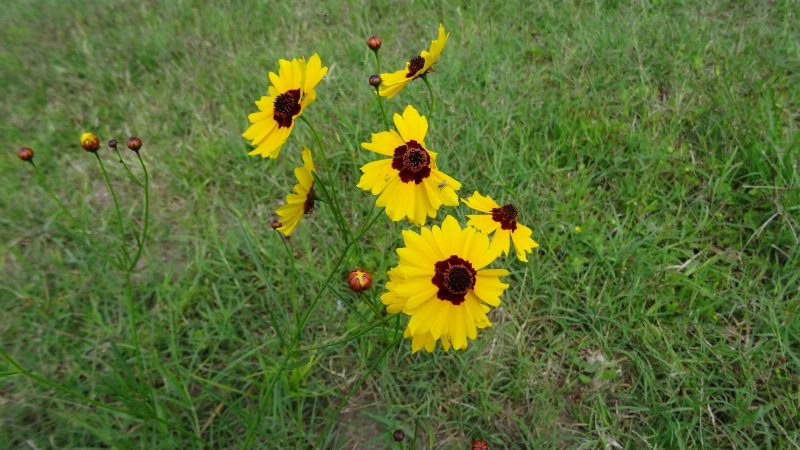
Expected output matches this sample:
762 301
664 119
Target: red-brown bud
375 80
374 43
398 435
25 154
134 143
90 142
359 280
112 143
276 224
479 444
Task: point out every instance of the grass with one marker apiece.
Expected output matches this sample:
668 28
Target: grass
652 146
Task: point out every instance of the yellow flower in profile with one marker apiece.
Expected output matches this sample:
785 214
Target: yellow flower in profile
416 67
408 184
442 283
301 201
501 220
291 91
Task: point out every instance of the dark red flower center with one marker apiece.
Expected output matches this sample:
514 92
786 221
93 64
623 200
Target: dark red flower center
412 161
308 206
506 215
454 277
415 64
285 107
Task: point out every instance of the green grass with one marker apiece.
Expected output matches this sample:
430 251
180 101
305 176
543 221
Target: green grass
666 130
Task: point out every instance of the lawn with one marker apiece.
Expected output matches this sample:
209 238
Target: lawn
651 145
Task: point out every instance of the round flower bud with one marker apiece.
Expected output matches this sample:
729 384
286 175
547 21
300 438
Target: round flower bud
134 143
375 80
276 224
374 43
398 435
90 142
479 444
359 280
25 154
112 143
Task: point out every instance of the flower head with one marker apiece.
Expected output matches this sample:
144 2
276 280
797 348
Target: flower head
25 154
416 67
134 143
90 142
442 282
359 279
301 201
291 90
408 184
501 220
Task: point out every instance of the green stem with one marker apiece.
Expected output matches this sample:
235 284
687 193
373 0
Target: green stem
50 192
292 281
127 169
146 223
377 60
430 92
338 210
116 207
380 104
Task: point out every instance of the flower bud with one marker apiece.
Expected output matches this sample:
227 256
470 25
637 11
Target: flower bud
479 444
90 142
112 143
359 279
25 154
398 435
375 80
374 43
276 224
134 143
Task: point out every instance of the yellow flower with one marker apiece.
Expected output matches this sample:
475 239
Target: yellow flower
442 283
289 94
501 220
416 67
408 184
301 201
90 142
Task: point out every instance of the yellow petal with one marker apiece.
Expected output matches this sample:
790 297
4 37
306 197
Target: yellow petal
314 73
483 222
384 142
501 242
523 242
480 203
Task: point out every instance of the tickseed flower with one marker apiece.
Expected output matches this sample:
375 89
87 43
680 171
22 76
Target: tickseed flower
25 154
301 201
359 280
408 184
90 142
291 90
442 283
501 220
416 67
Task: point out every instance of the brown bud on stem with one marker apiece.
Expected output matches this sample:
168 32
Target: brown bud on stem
90 142
398 435
375 80
359 280
134 143
112 143
374 43
276 224
479 444
25 154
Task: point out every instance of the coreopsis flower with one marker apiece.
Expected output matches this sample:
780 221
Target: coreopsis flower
301 201
408 184
442 283
290 92
416 67
502 221
90 142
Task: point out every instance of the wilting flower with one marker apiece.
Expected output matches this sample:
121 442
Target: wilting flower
289 94
501 220
408 184
442 283
301 201
90 142
415 67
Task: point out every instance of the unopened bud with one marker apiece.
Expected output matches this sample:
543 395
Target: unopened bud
359 280
90 142
276 224
112 143
374 43
398 435
134 143
479 444
25 154
375 80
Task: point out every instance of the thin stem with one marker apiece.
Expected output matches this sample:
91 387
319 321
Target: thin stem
380 104
430 92
292 280
52 194
145 226
377 60
338 210
127 169
116 207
